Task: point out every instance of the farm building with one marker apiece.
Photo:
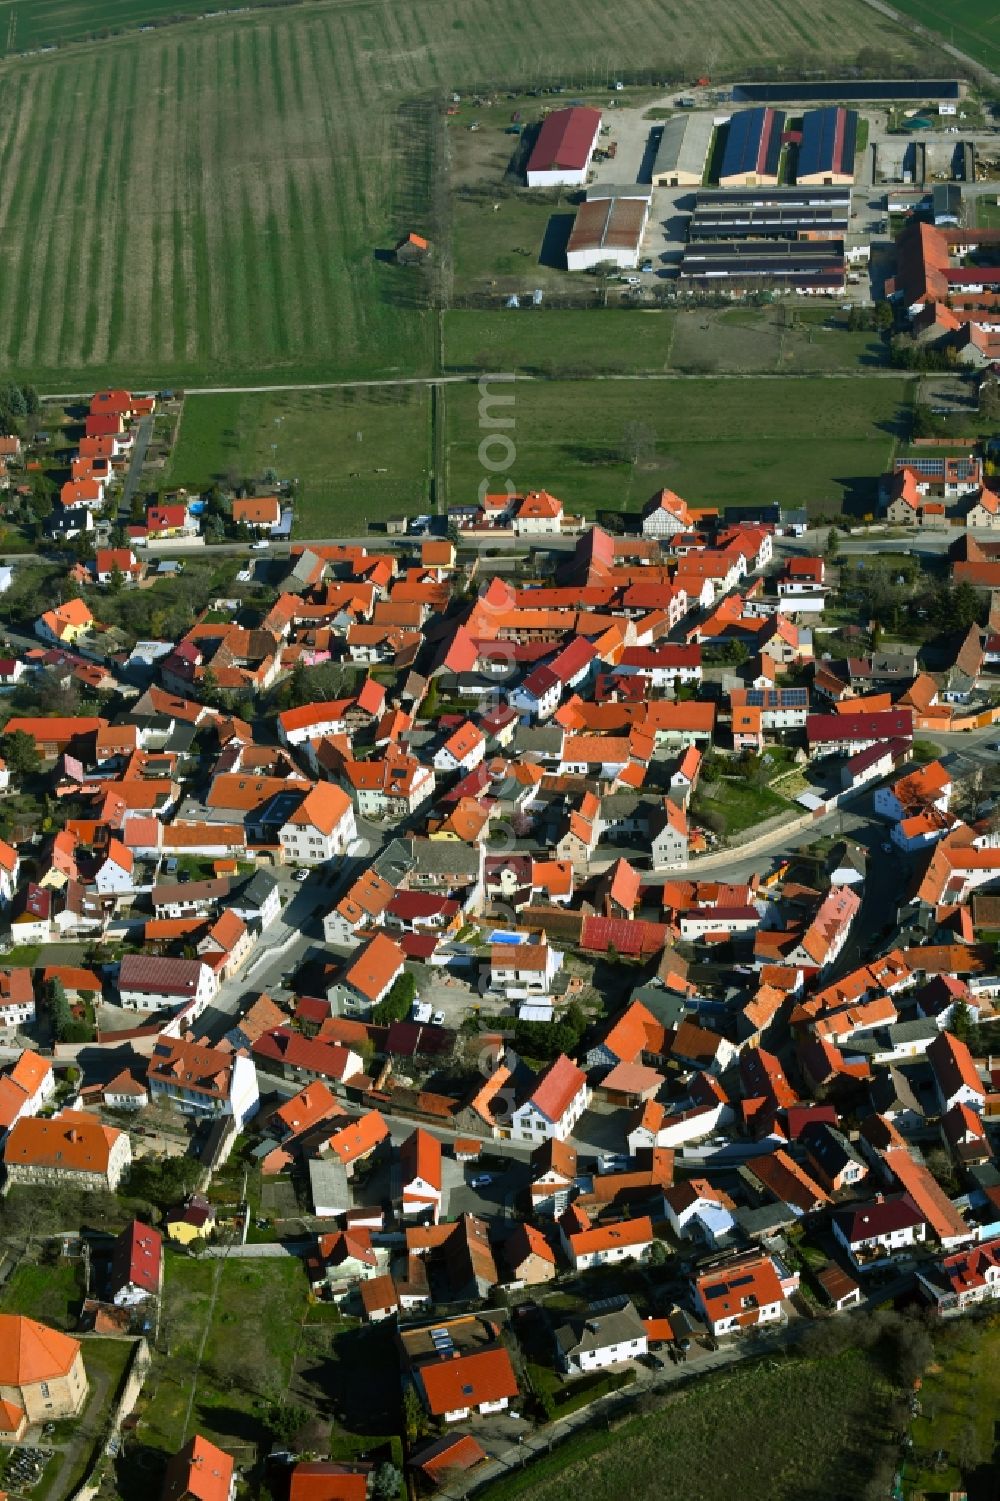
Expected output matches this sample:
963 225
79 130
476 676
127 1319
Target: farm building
683 151
887 90
561 154
766 213
813 266
412 250
946 203
753 148
826 152
609 228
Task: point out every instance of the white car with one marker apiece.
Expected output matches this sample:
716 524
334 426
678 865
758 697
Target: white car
261 546
300 876
437 1020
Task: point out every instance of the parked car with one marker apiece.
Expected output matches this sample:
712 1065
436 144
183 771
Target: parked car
437 1019
261 546
481 1180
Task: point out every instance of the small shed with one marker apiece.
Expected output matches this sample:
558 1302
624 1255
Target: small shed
413 250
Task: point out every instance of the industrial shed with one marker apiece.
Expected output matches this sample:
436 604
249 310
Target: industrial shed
753 148
766 213
561 154
683 151
813 266
829 140
609 228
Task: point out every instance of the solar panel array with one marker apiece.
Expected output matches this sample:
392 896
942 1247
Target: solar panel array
778 698
847 90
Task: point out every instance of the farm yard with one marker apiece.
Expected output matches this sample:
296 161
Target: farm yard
229 184
728 1435
358 454
610 444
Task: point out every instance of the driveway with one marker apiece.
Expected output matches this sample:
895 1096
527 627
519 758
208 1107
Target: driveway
144 433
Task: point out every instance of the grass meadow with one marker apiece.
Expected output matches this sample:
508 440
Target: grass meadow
819 443
780 1430
619 341
358 454
202 203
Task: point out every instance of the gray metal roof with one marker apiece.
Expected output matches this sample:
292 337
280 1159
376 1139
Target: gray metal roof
684 145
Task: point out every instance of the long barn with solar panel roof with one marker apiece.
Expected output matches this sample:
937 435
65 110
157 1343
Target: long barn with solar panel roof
753 149
826 152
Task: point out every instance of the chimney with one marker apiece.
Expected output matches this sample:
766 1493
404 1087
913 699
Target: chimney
73 1134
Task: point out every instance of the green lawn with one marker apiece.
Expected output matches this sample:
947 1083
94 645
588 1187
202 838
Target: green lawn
52 1293
357 455
822 444
783 1430
729 807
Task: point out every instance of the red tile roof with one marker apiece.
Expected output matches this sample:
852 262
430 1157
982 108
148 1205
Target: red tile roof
468 1380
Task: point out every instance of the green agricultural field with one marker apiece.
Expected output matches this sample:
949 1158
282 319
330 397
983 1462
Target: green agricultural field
344 479
727 1435
819 443
48 23
616 341
203 203
973 26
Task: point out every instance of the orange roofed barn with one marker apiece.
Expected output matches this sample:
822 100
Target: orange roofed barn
42 1377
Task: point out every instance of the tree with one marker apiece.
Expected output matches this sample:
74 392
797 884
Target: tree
116 580
832 543
884 316
414 1416
285 1422
989 399
968 1448
386 1481
960 1021
398 1003
638 443
658 1253
21 755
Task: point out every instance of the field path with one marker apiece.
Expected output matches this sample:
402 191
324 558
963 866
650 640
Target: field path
488 375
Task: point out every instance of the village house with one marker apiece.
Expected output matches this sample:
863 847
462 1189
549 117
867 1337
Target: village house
150 983
558 1099
601 1339
71 1148
740 1294
203 1081
320 827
